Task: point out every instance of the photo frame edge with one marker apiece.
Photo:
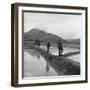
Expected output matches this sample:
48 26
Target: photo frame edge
14 36
14 45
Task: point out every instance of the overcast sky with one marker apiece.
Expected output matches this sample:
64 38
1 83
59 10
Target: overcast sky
66 26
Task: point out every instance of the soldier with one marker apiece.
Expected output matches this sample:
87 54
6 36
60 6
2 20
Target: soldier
60 48
37 43
48 46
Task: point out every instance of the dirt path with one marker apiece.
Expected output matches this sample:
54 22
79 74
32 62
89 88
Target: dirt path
61 63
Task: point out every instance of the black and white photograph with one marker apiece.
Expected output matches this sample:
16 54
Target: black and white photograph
51 44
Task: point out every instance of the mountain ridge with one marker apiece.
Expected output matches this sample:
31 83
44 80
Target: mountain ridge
43 36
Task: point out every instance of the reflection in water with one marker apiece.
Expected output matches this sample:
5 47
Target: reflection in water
38 55
36 65
47 67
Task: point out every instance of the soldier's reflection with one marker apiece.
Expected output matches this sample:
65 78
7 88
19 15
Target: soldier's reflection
47 67
38 55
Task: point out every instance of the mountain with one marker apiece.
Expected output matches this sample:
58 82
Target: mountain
43 36
77 41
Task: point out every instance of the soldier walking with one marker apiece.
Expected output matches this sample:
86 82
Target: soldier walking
60 48
48 46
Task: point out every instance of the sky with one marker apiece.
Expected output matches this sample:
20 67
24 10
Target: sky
66 26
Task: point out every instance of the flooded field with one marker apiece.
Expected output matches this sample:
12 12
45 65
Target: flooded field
35 65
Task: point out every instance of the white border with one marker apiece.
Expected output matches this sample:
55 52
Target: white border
50 79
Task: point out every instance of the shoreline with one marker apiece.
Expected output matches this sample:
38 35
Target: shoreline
61 63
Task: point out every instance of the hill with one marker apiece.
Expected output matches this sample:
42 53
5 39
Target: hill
77 41
43 36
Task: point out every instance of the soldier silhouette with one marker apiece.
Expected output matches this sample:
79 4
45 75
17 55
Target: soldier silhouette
48 46
37 43
60 48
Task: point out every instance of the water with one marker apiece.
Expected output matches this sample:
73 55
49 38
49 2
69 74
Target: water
75 57
54 51
35 65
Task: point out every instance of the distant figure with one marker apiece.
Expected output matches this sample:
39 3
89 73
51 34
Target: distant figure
60 48
37 43
48 46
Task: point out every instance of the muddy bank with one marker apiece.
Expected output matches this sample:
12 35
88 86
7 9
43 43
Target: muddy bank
61 63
